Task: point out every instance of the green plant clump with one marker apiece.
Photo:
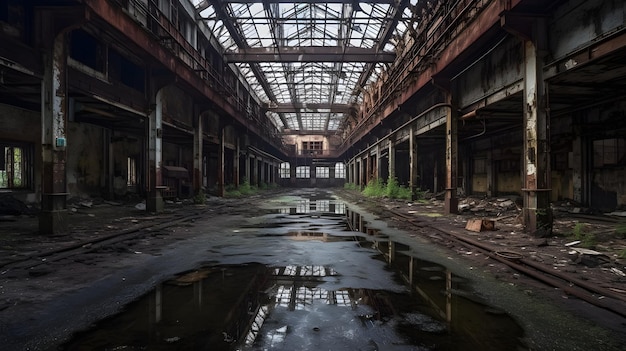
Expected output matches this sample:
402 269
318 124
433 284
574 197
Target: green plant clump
620 230
391 189
199 198
375 188
350 186
587 240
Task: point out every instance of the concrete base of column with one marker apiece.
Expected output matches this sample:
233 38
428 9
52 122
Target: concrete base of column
154 202
53 222
538 222
451 205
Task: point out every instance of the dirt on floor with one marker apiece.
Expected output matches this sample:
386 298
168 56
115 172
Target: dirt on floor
582 245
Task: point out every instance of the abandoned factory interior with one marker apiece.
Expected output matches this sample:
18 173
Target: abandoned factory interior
488 110
171 99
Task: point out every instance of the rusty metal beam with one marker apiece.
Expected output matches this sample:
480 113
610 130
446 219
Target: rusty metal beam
483 23
387 33
300 106
309 54
138 36
390 2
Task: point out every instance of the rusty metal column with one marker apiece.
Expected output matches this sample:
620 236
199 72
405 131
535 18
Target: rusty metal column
198 142
247 169
537 213
413 167
292 173
392 159
53 217
451 204
361 173
379 171
368 166
154 201
254 179
236 163
578 162
221 188
490 179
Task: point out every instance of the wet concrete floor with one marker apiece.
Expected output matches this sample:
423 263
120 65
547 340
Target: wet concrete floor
314 273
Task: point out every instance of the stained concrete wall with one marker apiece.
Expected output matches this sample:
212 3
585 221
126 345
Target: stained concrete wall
582 21
492 73
85 163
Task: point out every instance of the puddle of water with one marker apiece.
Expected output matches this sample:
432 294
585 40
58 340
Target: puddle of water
259 306
255 307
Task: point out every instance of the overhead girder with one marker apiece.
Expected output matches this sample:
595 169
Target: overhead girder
301 106
235 34
387 33
310 54
389 2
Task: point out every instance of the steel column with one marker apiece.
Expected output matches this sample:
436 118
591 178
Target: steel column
53 216
451 201
154 200
198 142
537 213
413 166
221 188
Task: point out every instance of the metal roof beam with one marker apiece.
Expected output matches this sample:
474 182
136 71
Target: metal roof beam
310 54
390 2
302 107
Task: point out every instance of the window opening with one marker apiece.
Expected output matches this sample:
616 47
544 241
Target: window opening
285 169
303 172
131 176
322 172
15 166
340 170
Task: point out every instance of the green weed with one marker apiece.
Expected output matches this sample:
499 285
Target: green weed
587 239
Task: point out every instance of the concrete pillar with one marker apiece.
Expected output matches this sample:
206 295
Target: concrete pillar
578 168
292 173
413 167
379 171
154 202
262 171
537 213
490 179
362 179
248 172
221 186
451 204
392 159
198 142
254 178
236 164
53 217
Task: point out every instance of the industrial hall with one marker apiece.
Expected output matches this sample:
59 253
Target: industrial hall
120 114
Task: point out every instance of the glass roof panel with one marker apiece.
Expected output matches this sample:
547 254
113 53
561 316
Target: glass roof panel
306 27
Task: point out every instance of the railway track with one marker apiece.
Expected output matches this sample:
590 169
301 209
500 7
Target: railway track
33 260
593 294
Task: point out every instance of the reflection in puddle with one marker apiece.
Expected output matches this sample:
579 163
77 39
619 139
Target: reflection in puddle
257 307
308 306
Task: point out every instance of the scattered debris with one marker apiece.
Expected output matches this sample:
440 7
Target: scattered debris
479 225
141 206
